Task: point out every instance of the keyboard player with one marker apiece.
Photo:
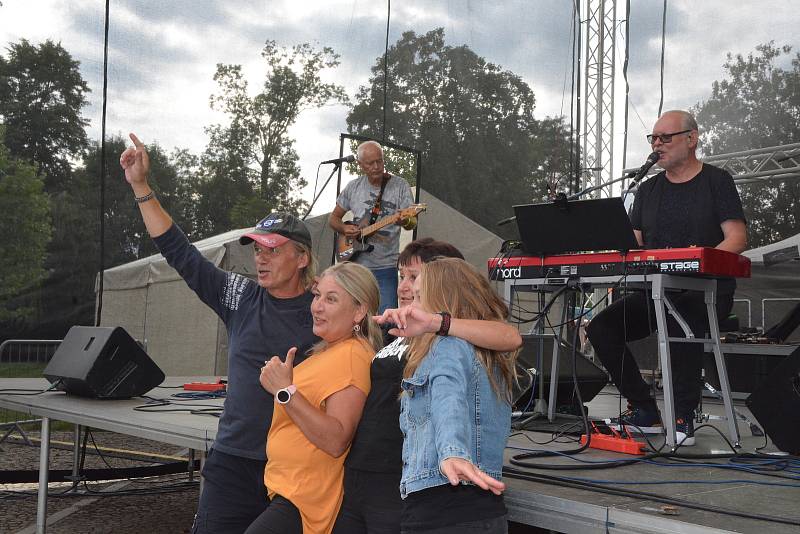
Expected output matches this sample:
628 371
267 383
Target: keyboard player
689 203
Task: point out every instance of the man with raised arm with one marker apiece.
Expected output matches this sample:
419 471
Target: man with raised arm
264 318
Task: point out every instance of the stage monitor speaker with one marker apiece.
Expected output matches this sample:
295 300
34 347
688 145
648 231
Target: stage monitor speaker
776 404
591 377
102 363
745 371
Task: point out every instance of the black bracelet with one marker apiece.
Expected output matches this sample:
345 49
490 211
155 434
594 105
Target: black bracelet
445 328
145 198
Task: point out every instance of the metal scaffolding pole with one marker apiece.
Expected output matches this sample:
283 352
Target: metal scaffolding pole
598 117
756 165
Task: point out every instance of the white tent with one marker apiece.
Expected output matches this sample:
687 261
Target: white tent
773 289
184 337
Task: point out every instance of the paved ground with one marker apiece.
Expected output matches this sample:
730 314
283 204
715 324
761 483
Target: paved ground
151 510
155 505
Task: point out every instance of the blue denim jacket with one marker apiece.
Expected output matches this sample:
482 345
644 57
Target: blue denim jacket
449 409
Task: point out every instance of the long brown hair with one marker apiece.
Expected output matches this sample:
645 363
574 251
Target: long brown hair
455 286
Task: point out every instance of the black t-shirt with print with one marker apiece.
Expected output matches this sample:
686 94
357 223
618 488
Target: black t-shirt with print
378 443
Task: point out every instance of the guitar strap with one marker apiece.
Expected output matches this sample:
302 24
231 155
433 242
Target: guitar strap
376 209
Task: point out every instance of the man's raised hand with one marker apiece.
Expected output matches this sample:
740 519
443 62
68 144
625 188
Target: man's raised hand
135 161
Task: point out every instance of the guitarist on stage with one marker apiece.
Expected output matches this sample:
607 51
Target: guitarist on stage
370 197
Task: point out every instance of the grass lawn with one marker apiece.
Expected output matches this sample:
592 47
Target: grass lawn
21 370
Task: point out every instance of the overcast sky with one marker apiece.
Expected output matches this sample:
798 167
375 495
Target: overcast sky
163 54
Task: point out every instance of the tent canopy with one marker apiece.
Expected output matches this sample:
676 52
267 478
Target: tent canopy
150 300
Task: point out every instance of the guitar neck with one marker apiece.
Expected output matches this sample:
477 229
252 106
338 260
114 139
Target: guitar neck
374 227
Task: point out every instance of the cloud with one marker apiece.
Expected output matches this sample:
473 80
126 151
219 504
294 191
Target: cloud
162 55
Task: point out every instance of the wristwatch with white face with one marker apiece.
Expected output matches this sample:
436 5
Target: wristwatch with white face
285 395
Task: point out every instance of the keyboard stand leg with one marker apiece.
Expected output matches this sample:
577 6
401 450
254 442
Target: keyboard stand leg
664 357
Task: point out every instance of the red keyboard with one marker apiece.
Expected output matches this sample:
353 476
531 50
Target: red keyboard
702 261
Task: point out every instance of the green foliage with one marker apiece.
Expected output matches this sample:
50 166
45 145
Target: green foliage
483 150
253 154
758 105
41 97
25 230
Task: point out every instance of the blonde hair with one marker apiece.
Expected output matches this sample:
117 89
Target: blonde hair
455 286
358 282
309 273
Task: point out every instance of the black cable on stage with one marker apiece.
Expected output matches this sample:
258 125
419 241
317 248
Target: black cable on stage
23 391
591 486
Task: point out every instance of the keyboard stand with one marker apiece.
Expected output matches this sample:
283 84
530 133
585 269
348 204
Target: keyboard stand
660 284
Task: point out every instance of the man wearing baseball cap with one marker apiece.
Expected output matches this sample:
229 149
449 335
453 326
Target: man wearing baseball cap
263 319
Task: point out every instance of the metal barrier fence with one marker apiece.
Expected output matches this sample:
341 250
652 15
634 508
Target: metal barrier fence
28 350
13 352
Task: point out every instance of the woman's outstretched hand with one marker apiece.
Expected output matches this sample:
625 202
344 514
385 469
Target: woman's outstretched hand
458 469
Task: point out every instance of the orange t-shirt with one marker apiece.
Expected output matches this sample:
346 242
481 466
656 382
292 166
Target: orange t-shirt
296 469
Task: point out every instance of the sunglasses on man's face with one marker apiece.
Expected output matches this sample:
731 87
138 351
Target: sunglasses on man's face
665 138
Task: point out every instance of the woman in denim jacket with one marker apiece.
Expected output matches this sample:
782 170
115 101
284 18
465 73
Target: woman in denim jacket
456 411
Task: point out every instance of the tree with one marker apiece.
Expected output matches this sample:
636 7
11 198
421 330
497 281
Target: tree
41 97
757 105
483 150
255 148
73 260
25 227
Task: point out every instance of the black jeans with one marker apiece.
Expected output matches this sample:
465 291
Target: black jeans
280 517
233 494
633 317
372 503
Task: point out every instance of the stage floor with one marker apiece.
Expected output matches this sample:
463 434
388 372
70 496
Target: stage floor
574 508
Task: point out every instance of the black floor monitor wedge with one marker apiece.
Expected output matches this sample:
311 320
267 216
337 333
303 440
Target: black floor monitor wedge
591 379
575 226
776 404
103 363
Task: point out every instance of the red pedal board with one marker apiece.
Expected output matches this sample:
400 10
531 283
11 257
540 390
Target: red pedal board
205 386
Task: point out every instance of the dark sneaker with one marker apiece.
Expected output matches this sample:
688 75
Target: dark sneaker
638 420
684 431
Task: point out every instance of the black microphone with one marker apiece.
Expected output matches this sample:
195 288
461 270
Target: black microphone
343 159
642 172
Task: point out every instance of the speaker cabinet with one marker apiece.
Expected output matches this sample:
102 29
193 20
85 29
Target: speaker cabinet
591 377
102 363
776 404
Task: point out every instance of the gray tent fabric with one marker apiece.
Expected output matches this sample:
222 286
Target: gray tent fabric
184 337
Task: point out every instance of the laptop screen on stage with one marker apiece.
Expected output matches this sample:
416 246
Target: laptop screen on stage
575 226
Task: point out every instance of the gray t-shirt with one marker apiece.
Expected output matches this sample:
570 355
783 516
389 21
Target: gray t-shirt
359 197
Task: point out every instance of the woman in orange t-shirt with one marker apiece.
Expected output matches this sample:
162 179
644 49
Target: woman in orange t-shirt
318 405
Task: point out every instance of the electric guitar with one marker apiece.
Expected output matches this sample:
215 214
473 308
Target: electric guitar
348 248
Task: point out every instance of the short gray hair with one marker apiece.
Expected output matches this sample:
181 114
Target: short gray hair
360 149
688 122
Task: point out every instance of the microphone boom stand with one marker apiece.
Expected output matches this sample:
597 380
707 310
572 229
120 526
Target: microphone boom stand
335 168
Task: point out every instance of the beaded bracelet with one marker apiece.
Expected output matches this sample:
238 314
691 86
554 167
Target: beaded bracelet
145 198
